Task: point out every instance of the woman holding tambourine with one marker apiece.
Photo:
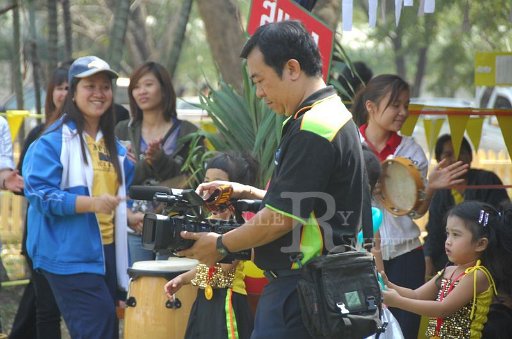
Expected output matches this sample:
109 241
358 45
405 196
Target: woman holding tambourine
383 104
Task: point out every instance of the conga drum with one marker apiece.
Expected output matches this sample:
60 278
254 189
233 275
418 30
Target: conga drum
402 188
149 314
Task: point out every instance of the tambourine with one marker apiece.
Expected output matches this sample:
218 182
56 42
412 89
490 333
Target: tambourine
402 188
220 199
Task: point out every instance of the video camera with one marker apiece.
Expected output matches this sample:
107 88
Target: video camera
185 210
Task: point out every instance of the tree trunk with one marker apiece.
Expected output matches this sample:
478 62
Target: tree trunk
396 41
16 57
421 64
225 37
420 71
52 37
329 11
33 56
68 36
115 52
137 37
179 36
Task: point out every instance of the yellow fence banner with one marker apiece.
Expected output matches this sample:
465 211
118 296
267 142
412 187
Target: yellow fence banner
15 119
458 125
474 130
506 129
432 129
409 124
474 125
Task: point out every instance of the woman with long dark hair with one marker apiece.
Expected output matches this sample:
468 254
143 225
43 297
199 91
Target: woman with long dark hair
76 176
154 134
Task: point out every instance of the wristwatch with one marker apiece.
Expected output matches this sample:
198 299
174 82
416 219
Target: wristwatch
221 249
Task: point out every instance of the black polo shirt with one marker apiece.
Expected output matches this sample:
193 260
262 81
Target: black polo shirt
318 181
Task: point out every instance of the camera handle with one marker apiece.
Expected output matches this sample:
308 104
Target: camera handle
167 198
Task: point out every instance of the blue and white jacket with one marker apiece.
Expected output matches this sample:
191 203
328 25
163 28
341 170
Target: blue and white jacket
59 240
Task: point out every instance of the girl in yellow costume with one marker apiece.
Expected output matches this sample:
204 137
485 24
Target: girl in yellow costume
221 309
458 297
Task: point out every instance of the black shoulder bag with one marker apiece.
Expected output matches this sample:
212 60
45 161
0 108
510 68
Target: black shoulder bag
339 293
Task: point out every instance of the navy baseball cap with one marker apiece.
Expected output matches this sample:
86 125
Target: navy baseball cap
88 65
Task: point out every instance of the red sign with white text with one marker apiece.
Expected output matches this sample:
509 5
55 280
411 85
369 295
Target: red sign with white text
267 11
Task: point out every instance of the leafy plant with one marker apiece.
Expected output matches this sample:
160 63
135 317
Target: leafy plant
197 157
244 123
340 61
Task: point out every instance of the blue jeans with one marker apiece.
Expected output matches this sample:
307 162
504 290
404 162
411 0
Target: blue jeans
135 250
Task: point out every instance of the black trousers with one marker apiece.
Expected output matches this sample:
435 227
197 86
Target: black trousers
38 315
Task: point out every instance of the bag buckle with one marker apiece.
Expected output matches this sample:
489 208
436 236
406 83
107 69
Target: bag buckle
370 301
342 308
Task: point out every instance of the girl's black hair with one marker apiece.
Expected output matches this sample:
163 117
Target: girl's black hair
375 90
240 167
483 220
167 90
59 76
107 124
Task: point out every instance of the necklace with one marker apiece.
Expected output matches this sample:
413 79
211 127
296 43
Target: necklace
208 291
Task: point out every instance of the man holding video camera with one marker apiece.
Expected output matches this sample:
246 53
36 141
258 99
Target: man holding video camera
315 197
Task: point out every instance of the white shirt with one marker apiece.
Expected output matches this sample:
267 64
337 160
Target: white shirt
6 160
400 235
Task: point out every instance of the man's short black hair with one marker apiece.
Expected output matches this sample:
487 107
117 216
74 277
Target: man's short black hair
282 41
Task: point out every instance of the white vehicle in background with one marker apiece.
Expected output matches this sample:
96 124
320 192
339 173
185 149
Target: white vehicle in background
494 97
187 109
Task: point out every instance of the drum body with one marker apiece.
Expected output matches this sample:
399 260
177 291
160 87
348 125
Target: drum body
402 188
149 314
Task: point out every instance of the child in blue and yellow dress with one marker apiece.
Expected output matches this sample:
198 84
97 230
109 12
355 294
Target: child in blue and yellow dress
458 298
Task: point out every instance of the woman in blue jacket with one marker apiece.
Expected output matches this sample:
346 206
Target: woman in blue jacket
76 175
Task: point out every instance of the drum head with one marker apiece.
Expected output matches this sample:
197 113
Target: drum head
166 268
400 184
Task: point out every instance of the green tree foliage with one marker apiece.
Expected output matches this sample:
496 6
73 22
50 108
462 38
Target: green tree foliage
434 52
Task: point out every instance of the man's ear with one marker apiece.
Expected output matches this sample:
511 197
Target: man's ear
292 69
481 244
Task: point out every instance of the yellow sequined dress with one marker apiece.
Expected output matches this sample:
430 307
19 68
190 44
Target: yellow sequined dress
221 278
468 321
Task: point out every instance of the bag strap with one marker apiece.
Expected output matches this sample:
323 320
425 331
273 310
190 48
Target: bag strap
342 249
367 220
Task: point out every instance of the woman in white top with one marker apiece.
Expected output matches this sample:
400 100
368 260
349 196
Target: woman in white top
383 104
9 177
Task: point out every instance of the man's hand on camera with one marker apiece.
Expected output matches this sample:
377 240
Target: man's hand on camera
204 248
240 191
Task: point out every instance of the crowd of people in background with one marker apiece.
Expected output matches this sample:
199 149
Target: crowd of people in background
82 230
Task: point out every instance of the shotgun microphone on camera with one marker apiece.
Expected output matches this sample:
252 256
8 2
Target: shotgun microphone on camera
148 192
